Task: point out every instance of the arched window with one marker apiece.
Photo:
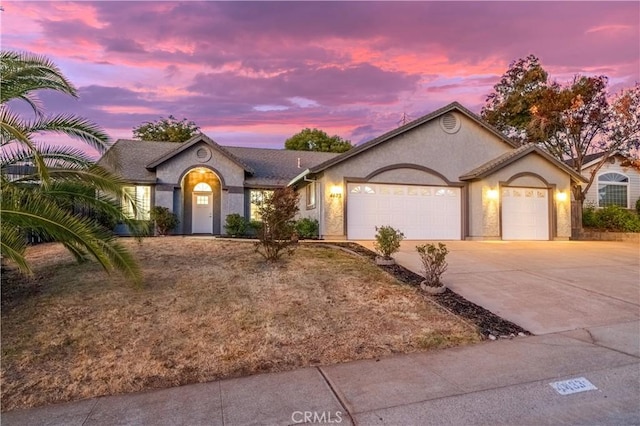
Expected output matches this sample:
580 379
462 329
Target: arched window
202 187
613 190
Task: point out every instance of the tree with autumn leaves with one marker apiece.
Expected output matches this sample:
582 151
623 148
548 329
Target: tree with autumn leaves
570 120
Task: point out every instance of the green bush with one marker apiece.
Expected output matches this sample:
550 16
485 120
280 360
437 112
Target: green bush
611 218
589 217
434 262
638 206
165 220
388 241
307 228
236 225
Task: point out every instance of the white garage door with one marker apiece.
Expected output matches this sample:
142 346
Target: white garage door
420 212
525 214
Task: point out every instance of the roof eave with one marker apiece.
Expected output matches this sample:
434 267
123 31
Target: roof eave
299 177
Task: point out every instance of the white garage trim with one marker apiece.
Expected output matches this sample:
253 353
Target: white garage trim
525 213
420 212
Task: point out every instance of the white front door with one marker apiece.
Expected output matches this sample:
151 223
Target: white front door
202 216
420 212
525 214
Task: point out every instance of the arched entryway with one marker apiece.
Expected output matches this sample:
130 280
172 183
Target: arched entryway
202 192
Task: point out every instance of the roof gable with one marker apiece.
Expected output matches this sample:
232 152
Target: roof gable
504 160
454 106
191 142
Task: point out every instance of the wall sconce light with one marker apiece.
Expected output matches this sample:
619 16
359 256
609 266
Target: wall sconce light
561 196
492 194
335 192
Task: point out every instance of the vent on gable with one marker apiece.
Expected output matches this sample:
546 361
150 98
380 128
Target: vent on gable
450 123
203 154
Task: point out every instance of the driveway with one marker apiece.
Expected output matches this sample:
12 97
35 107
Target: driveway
547 286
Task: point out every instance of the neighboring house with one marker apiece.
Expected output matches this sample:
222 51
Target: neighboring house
616 183
445 176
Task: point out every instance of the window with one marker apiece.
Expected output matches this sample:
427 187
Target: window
613 190
202 200
137 202
310 192
256 198
202 187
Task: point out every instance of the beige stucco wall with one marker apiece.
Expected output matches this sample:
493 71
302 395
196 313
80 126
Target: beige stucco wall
303 210
484 213
427 146
630 172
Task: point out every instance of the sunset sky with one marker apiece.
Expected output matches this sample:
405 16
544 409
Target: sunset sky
252 74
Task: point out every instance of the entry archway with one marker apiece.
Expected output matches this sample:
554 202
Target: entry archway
202 190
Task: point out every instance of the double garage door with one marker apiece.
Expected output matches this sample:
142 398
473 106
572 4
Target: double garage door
420 212
434 213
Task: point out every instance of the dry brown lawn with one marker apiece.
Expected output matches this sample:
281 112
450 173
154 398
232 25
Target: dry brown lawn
208 309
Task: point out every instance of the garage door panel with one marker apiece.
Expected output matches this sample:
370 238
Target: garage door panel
525 214
420 212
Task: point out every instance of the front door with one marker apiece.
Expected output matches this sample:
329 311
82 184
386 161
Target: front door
202 216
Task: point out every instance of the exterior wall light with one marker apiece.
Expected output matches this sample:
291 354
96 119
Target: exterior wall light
561 196
336 191
492 194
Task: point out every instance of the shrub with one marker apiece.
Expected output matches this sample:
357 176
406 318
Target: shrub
165 221
611 218
307 228
434 262
236 225
387 241
638 206
277 226
589 217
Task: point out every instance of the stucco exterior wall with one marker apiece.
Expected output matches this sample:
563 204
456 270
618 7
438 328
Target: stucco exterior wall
630 172
171 171
441 157
226 182
303 210
484 212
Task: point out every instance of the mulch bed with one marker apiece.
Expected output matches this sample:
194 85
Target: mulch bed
487 322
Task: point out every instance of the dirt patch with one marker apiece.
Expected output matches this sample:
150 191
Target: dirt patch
208 309
488 323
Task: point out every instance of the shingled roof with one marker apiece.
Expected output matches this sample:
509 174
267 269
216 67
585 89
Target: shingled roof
510 157
277 166
266 167
129 158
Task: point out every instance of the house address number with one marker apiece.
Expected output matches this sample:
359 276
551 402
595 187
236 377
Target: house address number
567 387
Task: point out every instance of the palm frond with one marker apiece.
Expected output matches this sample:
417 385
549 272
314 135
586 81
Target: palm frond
13 245
75 127
23 73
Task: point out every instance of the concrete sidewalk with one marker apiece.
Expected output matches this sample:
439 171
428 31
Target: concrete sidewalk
501 382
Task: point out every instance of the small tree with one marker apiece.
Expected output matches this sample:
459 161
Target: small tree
278 224
434 263
388 241
317 140
166 130
164 220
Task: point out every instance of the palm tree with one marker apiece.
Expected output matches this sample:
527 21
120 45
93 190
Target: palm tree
45 201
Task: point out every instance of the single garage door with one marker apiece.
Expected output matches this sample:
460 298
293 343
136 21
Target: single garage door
420 212
525 214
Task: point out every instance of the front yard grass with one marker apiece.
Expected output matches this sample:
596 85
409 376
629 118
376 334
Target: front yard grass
208 309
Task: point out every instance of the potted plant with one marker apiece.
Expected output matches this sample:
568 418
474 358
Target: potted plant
387 243
434 264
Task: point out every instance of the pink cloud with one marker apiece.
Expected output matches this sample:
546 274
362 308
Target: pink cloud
360 65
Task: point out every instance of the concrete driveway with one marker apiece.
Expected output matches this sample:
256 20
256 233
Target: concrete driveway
546 286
